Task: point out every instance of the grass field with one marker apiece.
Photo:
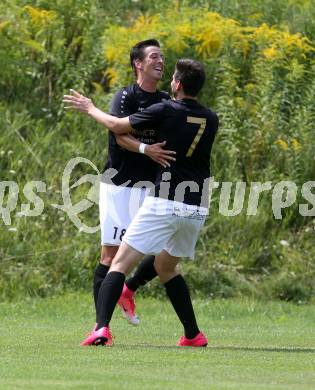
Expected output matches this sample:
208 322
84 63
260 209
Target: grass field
252 345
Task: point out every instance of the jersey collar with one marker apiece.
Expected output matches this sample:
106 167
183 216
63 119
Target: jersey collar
188 101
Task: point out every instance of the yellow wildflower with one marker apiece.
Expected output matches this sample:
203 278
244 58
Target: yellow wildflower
283 144
271 53
146 23
264 34
110 53
176 44
296 144
112 76
209 41
40 17
184 30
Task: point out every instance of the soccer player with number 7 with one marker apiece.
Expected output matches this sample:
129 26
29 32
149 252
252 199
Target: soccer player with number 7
169 221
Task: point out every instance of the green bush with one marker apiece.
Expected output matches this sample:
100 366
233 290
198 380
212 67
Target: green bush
259 58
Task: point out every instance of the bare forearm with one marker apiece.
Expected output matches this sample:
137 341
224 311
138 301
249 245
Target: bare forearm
155 151
116 125
128 142
102 118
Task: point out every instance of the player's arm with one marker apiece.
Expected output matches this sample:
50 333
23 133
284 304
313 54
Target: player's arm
81 103
118 126
151 117
123 104
154 151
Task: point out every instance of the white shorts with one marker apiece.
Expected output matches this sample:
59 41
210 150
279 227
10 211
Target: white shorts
118 206
162 224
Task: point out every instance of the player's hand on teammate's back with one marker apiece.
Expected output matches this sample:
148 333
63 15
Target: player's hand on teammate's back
160 155
81 103
78 102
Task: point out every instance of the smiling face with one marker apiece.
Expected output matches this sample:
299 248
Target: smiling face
152 65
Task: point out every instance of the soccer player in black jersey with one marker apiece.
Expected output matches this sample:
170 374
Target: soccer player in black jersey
169 221
119 201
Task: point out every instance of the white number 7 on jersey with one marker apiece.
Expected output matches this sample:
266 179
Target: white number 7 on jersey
202 122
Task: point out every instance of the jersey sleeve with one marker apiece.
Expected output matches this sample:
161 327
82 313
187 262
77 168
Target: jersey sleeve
148 118
121 104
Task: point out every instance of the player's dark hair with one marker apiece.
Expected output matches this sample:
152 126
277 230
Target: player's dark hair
137 52
191 74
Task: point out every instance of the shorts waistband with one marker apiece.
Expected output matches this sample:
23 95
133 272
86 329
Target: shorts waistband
161 205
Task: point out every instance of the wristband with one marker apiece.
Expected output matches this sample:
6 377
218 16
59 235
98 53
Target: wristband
142 147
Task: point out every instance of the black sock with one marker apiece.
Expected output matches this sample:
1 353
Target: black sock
99 275
143 274
108 296
178 293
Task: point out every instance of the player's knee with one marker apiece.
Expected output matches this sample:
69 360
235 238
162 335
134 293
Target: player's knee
158 266
106 259
107 254
162 266
119 265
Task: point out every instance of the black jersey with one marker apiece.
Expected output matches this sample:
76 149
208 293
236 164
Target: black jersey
132 167
189 129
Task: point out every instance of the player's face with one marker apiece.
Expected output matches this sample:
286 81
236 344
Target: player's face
153 63
174 86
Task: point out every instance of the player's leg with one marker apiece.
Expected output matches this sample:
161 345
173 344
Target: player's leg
148 233
145 271
142 275
111 288
110 291
116 207
107 255
178 293
182 244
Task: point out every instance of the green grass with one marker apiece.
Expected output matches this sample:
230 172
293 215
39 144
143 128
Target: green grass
253 345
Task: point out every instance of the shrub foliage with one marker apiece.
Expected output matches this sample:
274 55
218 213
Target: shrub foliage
260 64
